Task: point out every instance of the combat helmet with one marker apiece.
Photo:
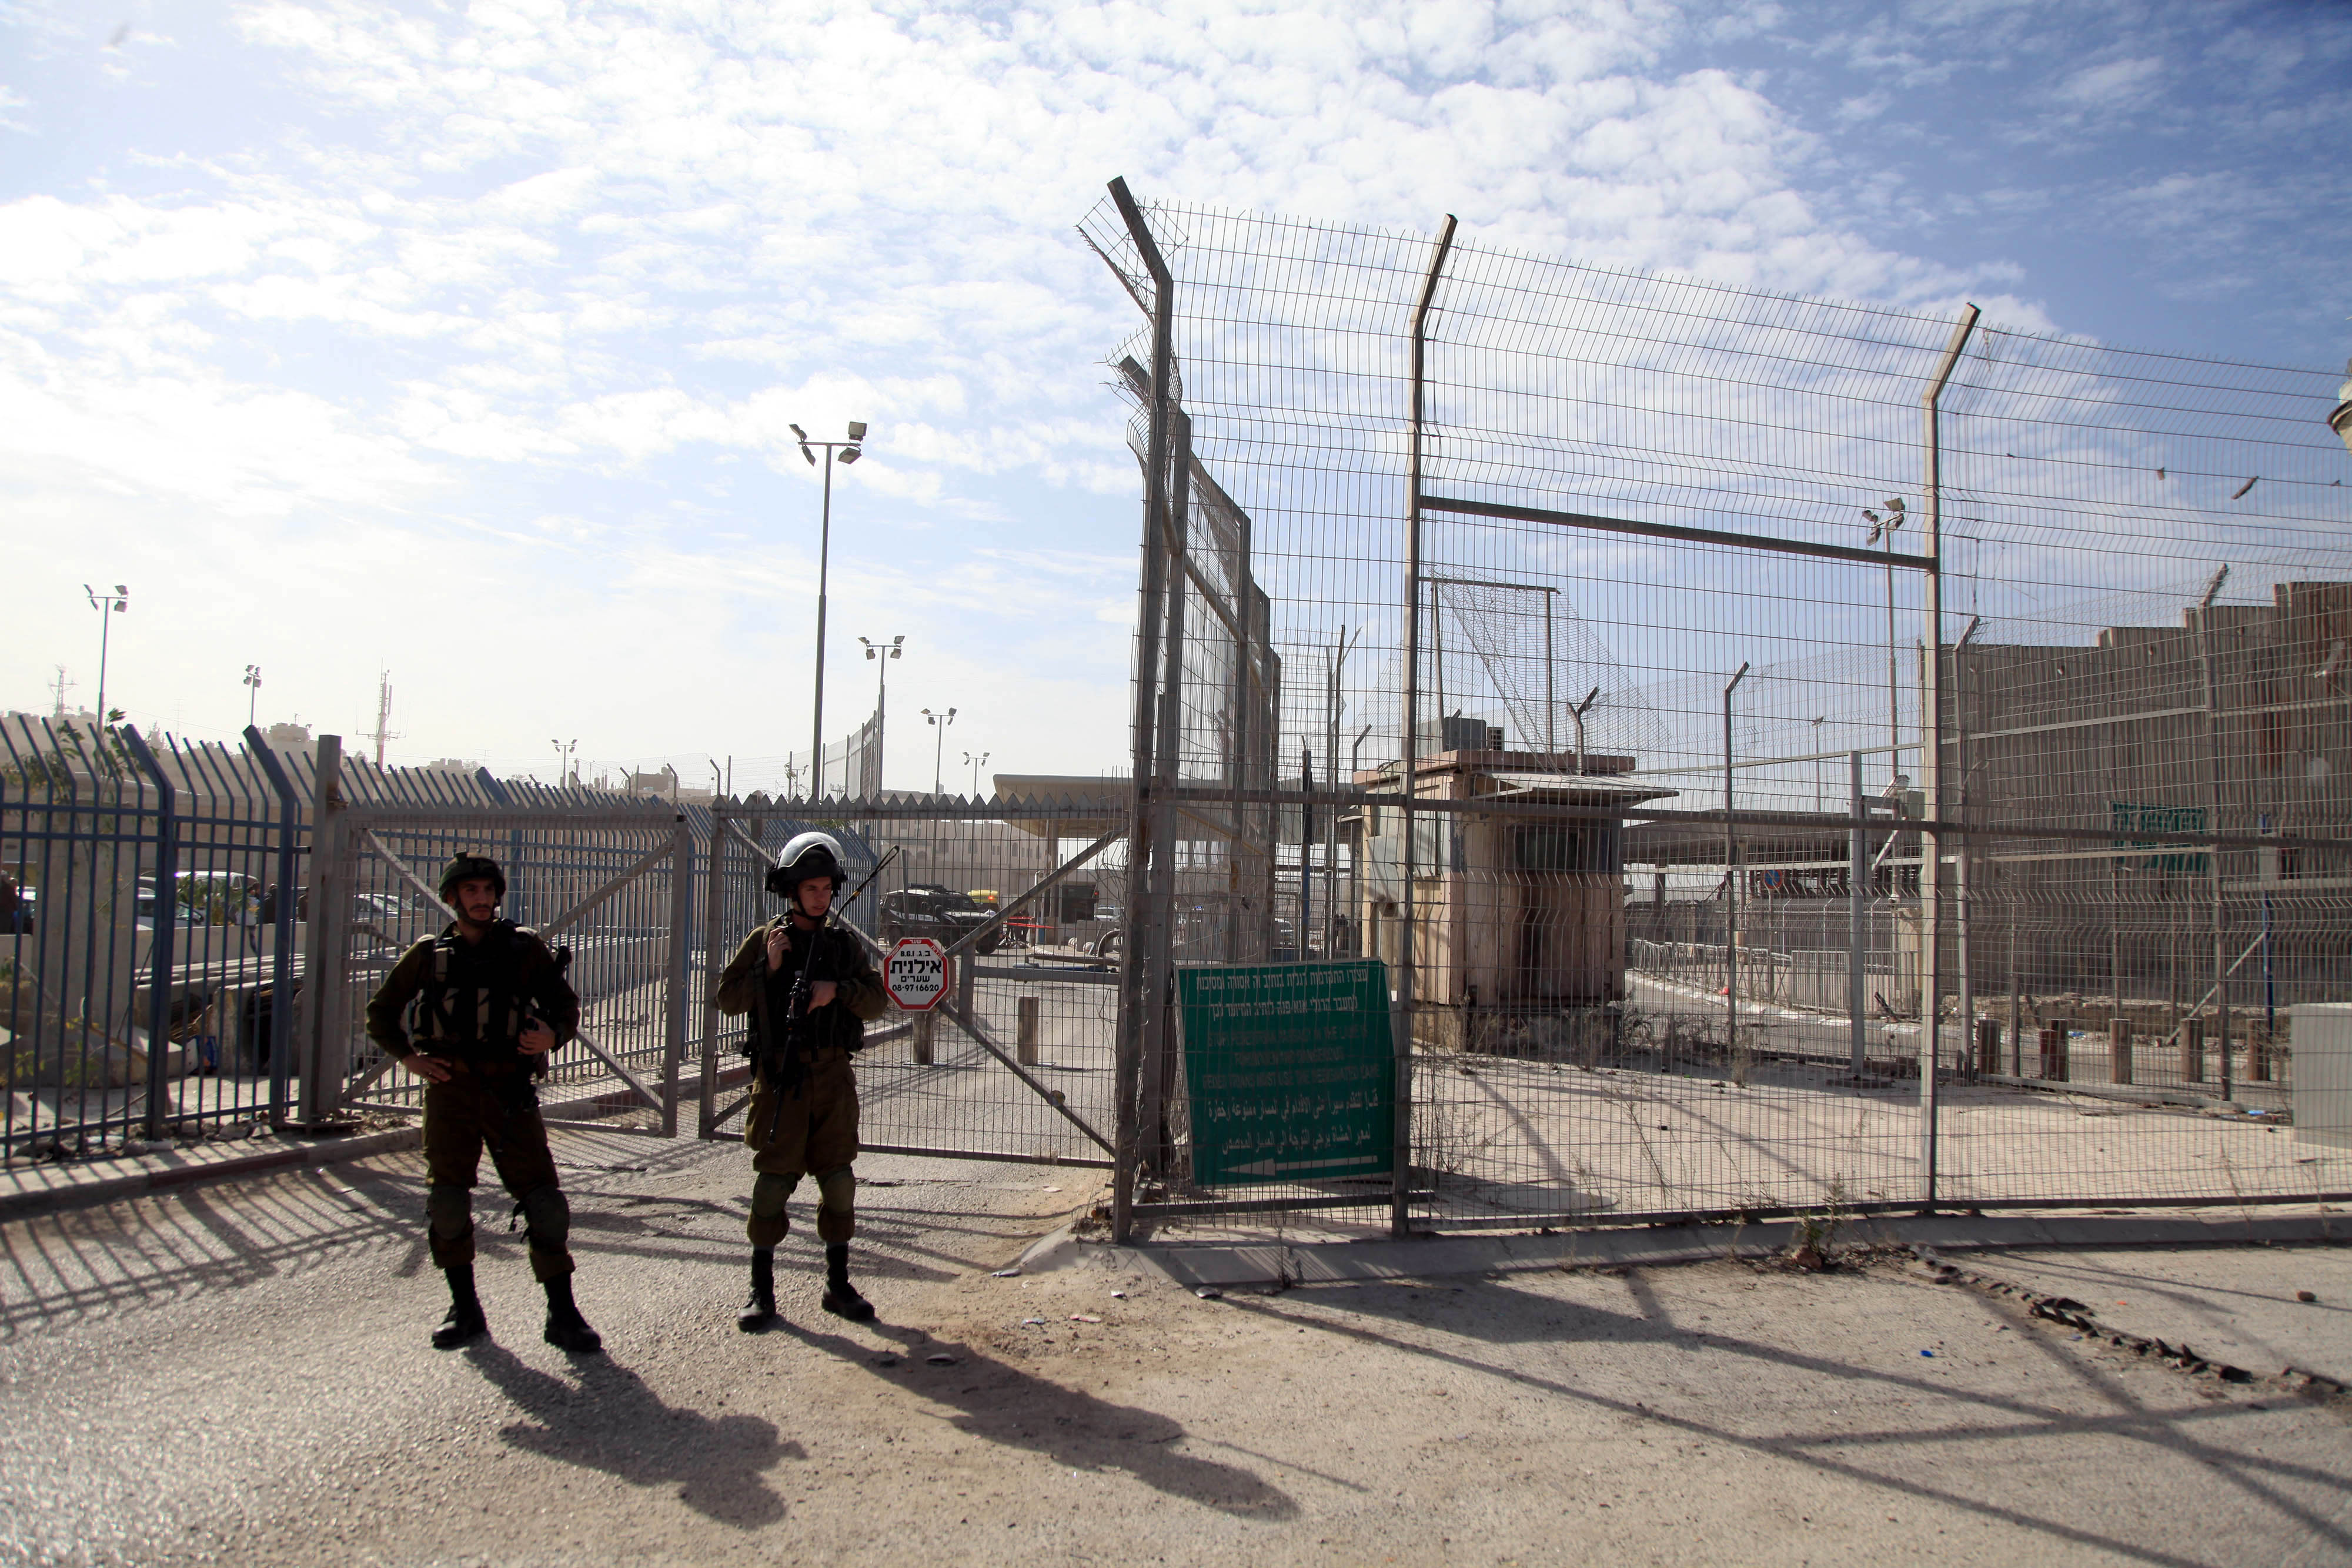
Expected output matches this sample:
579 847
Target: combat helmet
808 854
466 866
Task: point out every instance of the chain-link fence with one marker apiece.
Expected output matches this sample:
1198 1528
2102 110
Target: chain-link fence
1857 755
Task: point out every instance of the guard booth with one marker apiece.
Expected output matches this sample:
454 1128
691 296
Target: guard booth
1519 914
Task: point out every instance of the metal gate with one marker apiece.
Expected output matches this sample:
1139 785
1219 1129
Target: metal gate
1017 1062
611 885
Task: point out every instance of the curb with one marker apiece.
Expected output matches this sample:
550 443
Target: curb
1284 1266
34 1203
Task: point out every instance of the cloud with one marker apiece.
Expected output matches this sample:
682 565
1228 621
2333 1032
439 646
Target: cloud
538 289
2117 84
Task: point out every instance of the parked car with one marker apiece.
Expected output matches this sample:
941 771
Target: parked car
940 913
204 898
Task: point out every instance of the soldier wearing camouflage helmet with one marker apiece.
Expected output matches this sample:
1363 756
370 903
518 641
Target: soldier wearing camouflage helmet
490 1001
811 991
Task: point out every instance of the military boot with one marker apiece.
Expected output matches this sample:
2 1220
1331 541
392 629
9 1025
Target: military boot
465 1322
759 1313
841 1297
566 1329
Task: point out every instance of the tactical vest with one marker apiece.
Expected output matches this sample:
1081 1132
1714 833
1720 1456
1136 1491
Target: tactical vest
499 1009
831 1025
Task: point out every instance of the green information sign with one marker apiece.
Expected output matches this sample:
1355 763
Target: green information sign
1290 1070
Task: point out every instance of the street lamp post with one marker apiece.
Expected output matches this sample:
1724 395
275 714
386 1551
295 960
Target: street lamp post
253 697
938 722
108 605
564 752
851 450
881 654
978 762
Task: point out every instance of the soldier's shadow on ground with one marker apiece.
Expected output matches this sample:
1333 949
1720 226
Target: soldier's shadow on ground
610 1421
1000 1403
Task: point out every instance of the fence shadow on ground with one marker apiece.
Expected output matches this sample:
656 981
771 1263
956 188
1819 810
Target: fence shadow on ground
1495 1315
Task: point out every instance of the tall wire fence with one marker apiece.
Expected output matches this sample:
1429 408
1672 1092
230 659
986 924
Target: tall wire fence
1857 755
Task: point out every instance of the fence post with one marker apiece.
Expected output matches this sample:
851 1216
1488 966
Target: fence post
1857 920
1731 897
2054 1036
681 917
1135 1004
2192 1051
1024 1032
2120 1050
160 963
714 938
1409 743
1931 738
322 957
281 960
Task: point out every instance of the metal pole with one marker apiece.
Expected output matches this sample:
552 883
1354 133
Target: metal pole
167 925
105 626
1401 1170
1134 1003
1931 879
823 561
2213 820
1965 855
1551 719
281 959
1306 850
681 945
323 954
1331 769
1731 892
714 938
1858 875
1893 689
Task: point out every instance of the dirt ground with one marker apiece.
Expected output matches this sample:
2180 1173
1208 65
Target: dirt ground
241 1375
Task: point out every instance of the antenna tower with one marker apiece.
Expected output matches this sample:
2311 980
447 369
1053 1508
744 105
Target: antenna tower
384 730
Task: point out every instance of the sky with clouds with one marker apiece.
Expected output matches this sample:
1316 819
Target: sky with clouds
461 340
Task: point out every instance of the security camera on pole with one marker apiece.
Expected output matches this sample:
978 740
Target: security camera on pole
851 451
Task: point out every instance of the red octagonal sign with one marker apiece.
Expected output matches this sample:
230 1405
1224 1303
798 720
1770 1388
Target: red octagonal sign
916 973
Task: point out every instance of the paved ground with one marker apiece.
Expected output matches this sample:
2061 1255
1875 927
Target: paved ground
240 1374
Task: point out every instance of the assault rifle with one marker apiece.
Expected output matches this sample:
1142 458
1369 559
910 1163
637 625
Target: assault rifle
563 957
780 1058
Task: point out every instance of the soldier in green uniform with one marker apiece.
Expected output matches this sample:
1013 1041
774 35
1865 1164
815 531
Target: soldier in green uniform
491 1002
811 990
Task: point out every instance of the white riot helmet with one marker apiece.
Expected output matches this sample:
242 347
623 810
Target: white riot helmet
807 855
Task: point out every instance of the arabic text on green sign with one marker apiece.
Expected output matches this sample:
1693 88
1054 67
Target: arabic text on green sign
1290 1070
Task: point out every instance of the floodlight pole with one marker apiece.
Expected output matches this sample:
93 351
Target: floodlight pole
823 562
852 449
881 654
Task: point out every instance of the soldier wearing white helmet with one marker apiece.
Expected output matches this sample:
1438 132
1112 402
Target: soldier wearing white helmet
811 990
